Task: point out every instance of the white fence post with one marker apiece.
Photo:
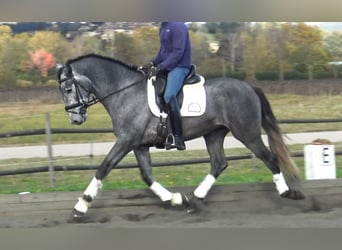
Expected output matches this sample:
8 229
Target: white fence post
49 148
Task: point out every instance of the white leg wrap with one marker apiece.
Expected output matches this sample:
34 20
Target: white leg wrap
280 183
93 188
204 187
160 191
176 199
82 205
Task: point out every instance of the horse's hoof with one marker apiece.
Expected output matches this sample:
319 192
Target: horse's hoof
293 195
185 200
195 205
191 210
76 216
178 201
188 205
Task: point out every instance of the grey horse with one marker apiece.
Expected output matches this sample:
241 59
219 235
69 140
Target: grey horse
232 106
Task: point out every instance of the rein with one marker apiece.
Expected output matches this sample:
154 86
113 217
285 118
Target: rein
96 100
86 104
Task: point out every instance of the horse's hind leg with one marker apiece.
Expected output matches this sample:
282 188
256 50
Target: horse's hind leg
271 161
214 142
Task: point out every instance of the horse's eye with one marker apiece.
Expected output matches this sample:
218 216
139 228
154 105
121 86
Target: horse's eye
68 90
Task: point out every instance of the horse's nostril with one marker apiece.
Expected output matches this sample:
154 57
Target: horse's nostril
76 121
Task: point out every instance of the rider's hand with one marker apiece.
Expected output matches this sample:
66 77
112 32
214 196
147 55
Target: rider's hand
146 68
153 72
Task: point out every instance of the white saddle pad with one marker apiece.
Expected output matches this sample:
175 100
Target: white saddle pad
194 101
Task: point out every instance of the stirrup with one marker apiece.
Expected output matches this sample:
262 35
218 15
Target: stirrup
174 142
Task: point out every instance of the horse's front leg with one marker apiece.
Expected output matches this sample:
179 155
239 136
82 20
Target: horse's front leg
144 160
119 150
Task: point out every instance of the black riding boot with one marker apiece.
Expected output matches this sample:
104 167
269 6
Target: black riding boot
177 140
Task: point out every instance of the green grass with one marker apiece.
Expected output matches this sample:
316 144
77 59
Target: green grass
240 171
27 116
31 116
307 107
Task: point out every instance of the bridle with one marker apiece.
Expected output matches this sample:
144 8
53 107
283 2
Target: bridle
82 102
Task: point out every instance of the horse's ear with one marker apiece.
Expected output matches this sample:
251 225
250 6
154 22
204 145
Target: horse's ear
68 70
59 66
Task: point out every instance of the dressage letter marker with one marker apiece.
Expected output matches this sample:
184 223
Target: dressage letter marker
320 162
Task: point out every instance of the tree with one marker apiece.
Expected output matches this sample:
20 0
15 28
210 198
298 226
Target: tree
278 45
146 40
247 40
125 48
227 33
19 48
7 67
333 44
52 42
305 46
90 44
5 30
42 60
199 47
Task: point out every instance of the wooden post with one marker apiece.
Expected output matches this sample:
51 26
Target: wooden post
254 162
49 148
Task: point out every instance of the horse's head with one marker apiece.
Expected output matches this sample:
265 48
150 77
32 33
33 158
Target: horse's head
75 89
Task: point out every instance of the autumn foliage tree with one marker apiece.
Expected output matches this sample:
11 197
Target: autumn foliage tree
42 60
257 50
305 47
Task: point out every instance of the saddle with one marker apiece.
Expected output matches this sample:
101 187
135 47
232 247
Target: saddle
160 85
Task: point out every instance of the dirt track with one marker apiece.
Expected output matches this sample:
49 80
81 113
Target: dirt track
227 206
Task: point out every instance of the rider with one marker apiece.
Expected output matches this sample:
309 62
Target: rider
174 57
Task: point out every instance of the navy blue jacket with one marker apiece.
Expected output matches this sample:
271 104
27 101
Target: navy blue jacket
175 47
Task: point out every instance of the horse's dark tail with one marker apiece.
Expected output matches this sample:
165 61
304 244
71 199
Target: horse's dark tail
275 138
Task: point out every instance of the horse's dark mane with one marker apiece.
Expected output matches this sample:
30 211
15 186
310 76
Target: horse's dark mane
130 66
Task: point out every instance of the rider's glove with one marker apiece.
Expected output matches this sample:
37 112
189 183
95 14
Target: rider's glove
153 72
147 67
